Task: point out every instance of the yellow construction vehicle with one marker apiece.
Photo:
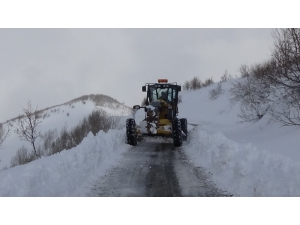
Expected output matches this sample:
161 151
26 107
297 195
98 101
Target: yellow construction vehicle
161 111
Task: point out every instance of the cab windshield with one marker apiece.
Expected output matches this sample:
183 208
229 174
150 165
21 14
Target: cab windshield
157 92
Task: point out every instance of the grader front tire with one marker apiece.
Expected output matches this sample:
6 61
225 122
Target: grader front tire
131 132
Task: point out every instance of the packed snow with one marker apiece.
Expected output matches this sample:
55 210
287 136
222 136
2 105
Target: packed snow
257 159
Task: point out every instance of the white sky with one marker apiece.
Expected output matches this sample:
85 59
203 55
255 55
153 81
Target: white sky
53 66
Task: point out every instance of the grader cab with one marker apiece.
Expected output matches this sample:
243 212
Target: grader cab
161 111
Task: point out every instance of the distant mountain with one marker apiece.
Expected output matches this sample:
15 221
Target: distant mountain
98 100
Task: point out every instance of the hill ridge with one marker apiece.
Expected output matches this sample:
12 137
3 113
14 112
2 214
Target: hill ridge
98 99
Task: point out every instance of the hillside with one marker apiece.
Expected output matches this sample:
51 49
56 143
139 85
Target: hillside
55 118
248 159
221 115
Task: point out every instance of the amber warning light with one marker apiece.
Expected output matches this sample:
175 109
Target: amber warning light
162 80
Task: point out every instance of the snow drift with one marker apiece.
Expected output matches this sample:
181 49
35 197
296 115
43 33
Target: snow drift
66 173
242 169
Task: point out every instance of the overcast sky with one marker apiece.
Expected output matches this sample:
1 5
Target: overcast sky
53 66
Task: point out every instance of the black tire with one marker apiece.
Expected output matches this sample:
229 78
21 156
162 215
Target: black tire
177 136
131 132
183 122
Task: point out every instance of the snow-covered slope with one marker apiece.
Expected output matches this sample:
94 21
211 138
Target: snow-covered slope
65 115
259 159
68 172
221 115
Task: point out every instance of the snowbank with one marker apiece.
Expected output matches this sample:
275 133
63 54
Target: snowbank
68 172
242 169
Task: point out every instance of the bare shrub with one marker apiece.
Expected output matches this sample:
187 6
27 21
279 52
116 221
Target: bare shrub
286 108
27 128
84 126
52 143
79 132
287 57
226 77
196 83
254 91
48 138
215 93
208 82
65 139
23 156
250 113
77 135
244 71
55 147
286 77
254 97
3 134
98 121
263 71
186 86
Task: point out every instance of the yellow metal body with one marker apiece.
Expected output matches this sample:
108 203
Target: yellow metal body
164 127
163 123
159 126
165 132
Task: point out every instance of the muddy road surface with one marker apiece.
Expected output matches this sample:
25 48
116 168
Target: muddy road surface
155 170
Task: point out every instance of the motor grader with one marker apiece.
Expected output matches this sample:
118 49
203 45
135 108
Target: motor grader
161 111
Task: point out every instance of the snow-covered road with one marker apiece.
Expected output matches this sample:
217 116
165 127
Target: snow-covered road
154 170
